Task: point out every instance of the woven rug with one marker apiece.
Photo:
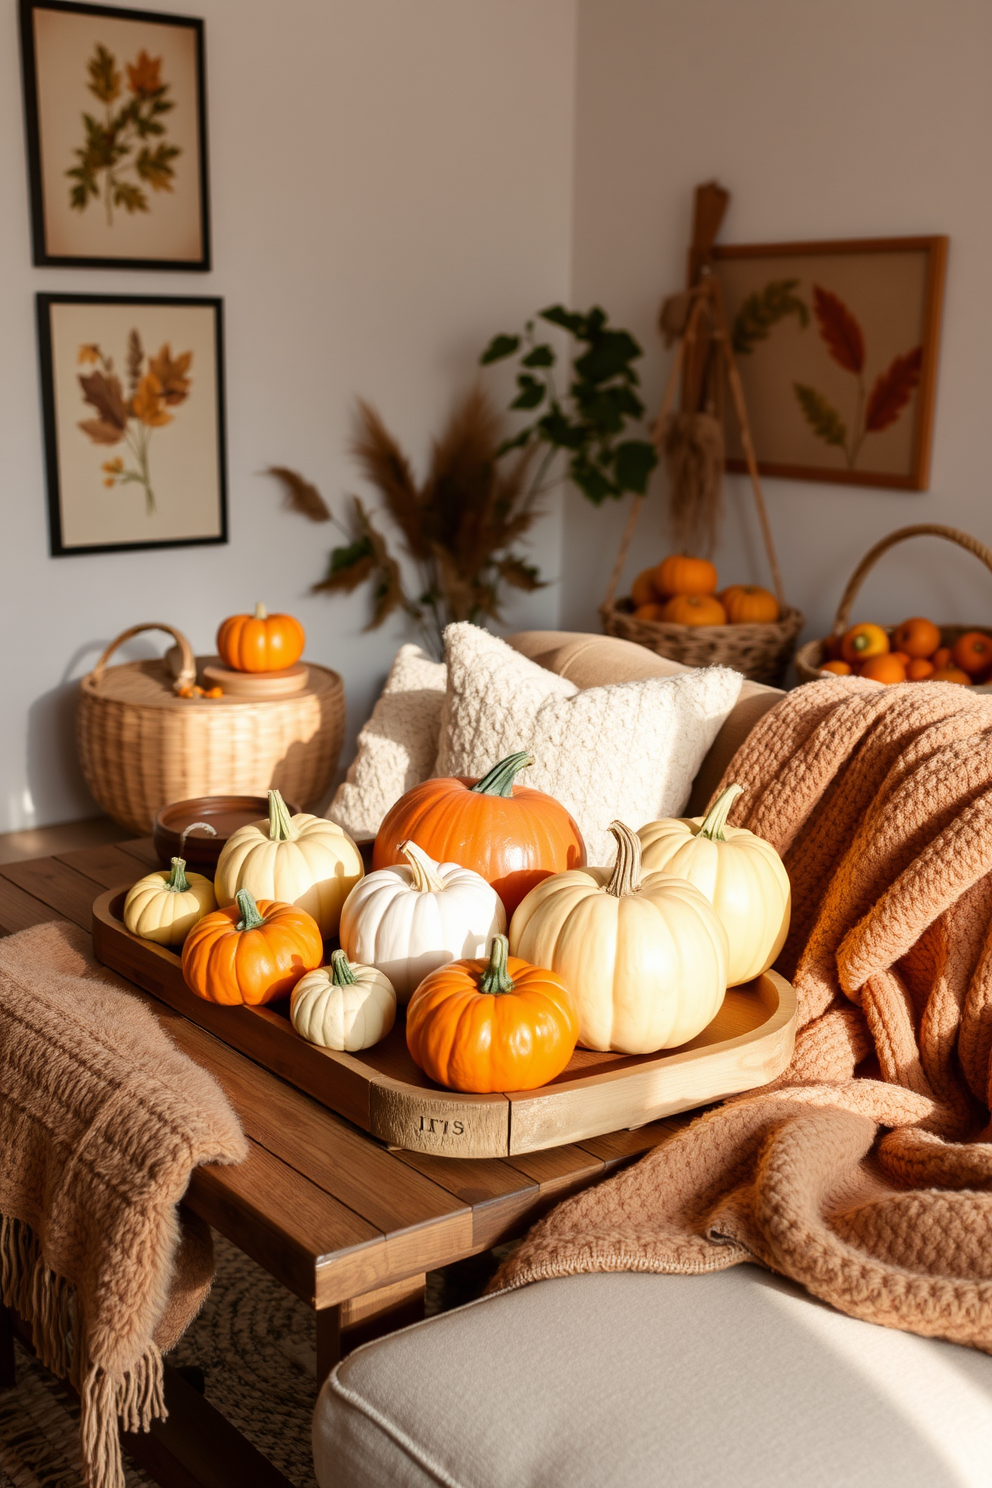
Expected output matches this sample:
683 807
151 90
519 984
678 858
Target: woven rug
254 1344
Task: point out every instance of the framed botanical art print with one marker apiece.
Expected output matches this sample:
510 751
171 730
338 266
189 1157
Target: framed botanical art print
133 403
836 344
116 129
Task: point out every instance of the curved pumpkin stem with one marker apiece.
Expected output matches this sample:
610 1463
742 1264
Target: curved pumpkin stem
261 613
499 781
250 917
280 822
177 882
627 869
341 973
496 980
716 818
426 879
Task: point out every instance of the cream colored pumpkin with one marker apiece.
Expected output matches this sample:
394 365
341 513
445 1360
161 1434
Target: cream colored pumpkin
410 919
645 957
343 1006
741 875
303 860
164 906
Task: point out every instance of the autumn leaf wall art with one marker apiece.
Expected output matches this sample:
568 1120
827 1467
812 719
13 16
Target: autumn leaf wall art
134 431
836 344
116 128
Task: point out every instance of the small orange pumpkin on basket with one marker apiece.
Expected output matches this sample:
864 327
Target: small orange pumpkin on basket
653 611
749 604
695 609
492 1026
680 574
260 642
644 591
251 953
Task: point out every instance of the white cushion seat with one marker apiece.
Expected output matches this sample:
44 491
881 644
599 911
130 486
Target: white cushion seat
644 1381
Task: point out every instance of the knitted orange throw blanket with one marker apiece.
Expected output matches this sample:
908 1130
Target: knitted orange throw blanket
865 1172
102 1120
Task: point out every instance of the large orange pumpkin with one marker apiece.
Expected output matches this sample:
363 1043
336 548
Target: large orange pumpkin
491 1026
511 835
680 574
749 604
695 609
260 642
251 953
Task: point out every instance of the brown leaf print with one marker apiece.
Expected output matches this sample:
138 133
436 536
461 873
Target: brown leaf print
893 390
101 432
171 374
106 396
839 329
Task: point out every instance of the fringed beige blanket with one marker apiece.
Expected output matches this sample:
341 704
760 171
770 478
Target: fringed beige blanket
865 1173
102 1120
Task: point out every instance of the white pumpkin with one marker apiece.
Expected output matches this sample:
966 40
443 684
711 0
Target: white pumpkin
164 906
409 920
344 1005
303 860
645 957
741 875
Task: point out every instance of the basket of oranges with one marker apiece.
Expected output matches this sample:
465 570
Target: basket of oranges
917 650
674 609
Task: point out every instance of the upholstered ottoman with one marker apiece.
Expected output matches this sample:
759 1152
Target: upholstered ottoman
642 1381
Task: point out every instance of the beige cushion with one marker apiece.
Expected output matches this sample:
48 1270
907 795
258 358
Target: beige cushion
397 746
641 1381
628 751
592 660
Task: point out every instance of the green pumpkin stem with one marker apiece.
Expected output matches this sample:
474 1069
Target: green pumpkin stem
426 879
280 822
716 818
341 973
499 781
177 882
627 869
250 917
496 980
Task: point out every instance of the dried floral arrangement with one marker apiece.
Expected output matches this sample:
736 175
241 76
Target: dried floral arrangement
459 525
124 138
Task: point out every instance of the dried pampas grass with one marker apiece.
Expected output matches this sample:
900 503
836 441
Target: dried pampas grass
693 448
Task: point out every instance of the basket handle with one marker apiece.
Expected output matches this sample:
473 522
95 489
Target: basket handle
187 670
922 529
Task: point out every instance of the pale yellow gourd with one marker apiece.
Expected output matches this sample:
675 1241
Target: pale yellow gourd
164 906
644 956
741 875
344 1006
303 860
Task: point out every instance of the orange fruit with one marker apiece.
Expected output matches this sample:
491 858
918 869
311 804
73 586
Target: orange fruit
919 669
642 590
838 668
902 656
917 637
951 674
695 609
864 641
941 657
887 669
652 611
972 652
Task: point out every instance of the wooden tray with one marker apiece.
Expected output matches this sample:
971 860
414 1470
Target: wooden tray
381 1090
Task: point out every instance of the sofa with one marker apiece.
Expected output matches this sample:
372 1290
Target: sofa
641 1380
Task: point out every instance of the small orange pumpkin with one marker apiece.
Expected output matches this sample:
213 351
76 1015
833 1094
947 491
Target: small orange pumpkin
888 669
251 953
949 674
643 590
972 652
695 609
652 611
749 604
918 637
492 1026
919 669
862 642
838 668
260 642
680 574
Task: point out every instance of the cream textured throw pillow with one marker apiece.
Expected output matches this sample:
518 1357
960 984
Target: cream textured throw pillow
398 745
625 752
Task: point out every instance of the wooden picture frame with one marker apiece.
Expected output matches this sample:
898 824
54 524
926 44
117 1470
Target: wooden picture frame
837 345
133 414
116 124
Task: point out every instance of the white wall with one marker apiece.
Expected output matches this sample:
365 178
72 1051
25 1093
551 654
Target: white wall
856 118
391 183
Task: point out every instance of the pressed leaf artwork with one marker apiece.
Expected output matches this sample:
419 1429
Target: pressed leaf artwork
155 385
125 153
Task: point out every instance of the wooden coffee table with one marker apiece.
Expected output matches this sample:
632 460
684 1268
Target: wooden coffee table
349 1226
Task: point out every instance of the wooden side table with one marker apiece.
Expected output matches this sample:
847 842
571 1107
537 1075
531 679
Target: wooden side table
347 1225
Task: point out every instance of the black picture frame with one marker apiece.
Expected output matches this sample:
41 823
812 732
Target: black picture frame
42 256
58 546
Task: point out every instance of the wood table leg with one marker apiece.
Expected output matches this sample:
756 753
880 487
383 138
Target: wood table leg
341 1329
8 1362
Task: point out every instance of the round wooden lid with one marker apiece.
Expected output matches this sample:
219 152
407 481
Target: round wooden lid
257 684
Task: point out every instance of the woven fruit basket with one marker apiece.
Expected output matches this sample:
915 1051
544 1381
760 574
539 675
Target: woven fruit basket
810 658
761 651
142 746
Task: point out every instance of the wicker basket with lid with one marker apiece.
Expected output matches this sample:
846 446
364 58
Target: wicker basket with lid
142 746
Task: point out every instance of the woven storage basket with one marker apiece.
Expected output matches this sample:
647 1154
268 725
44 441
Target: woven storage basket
141 746
761 652
810 658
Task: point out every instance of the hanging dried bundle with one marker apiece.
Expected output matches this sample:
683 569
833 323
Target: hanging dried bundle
693 449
